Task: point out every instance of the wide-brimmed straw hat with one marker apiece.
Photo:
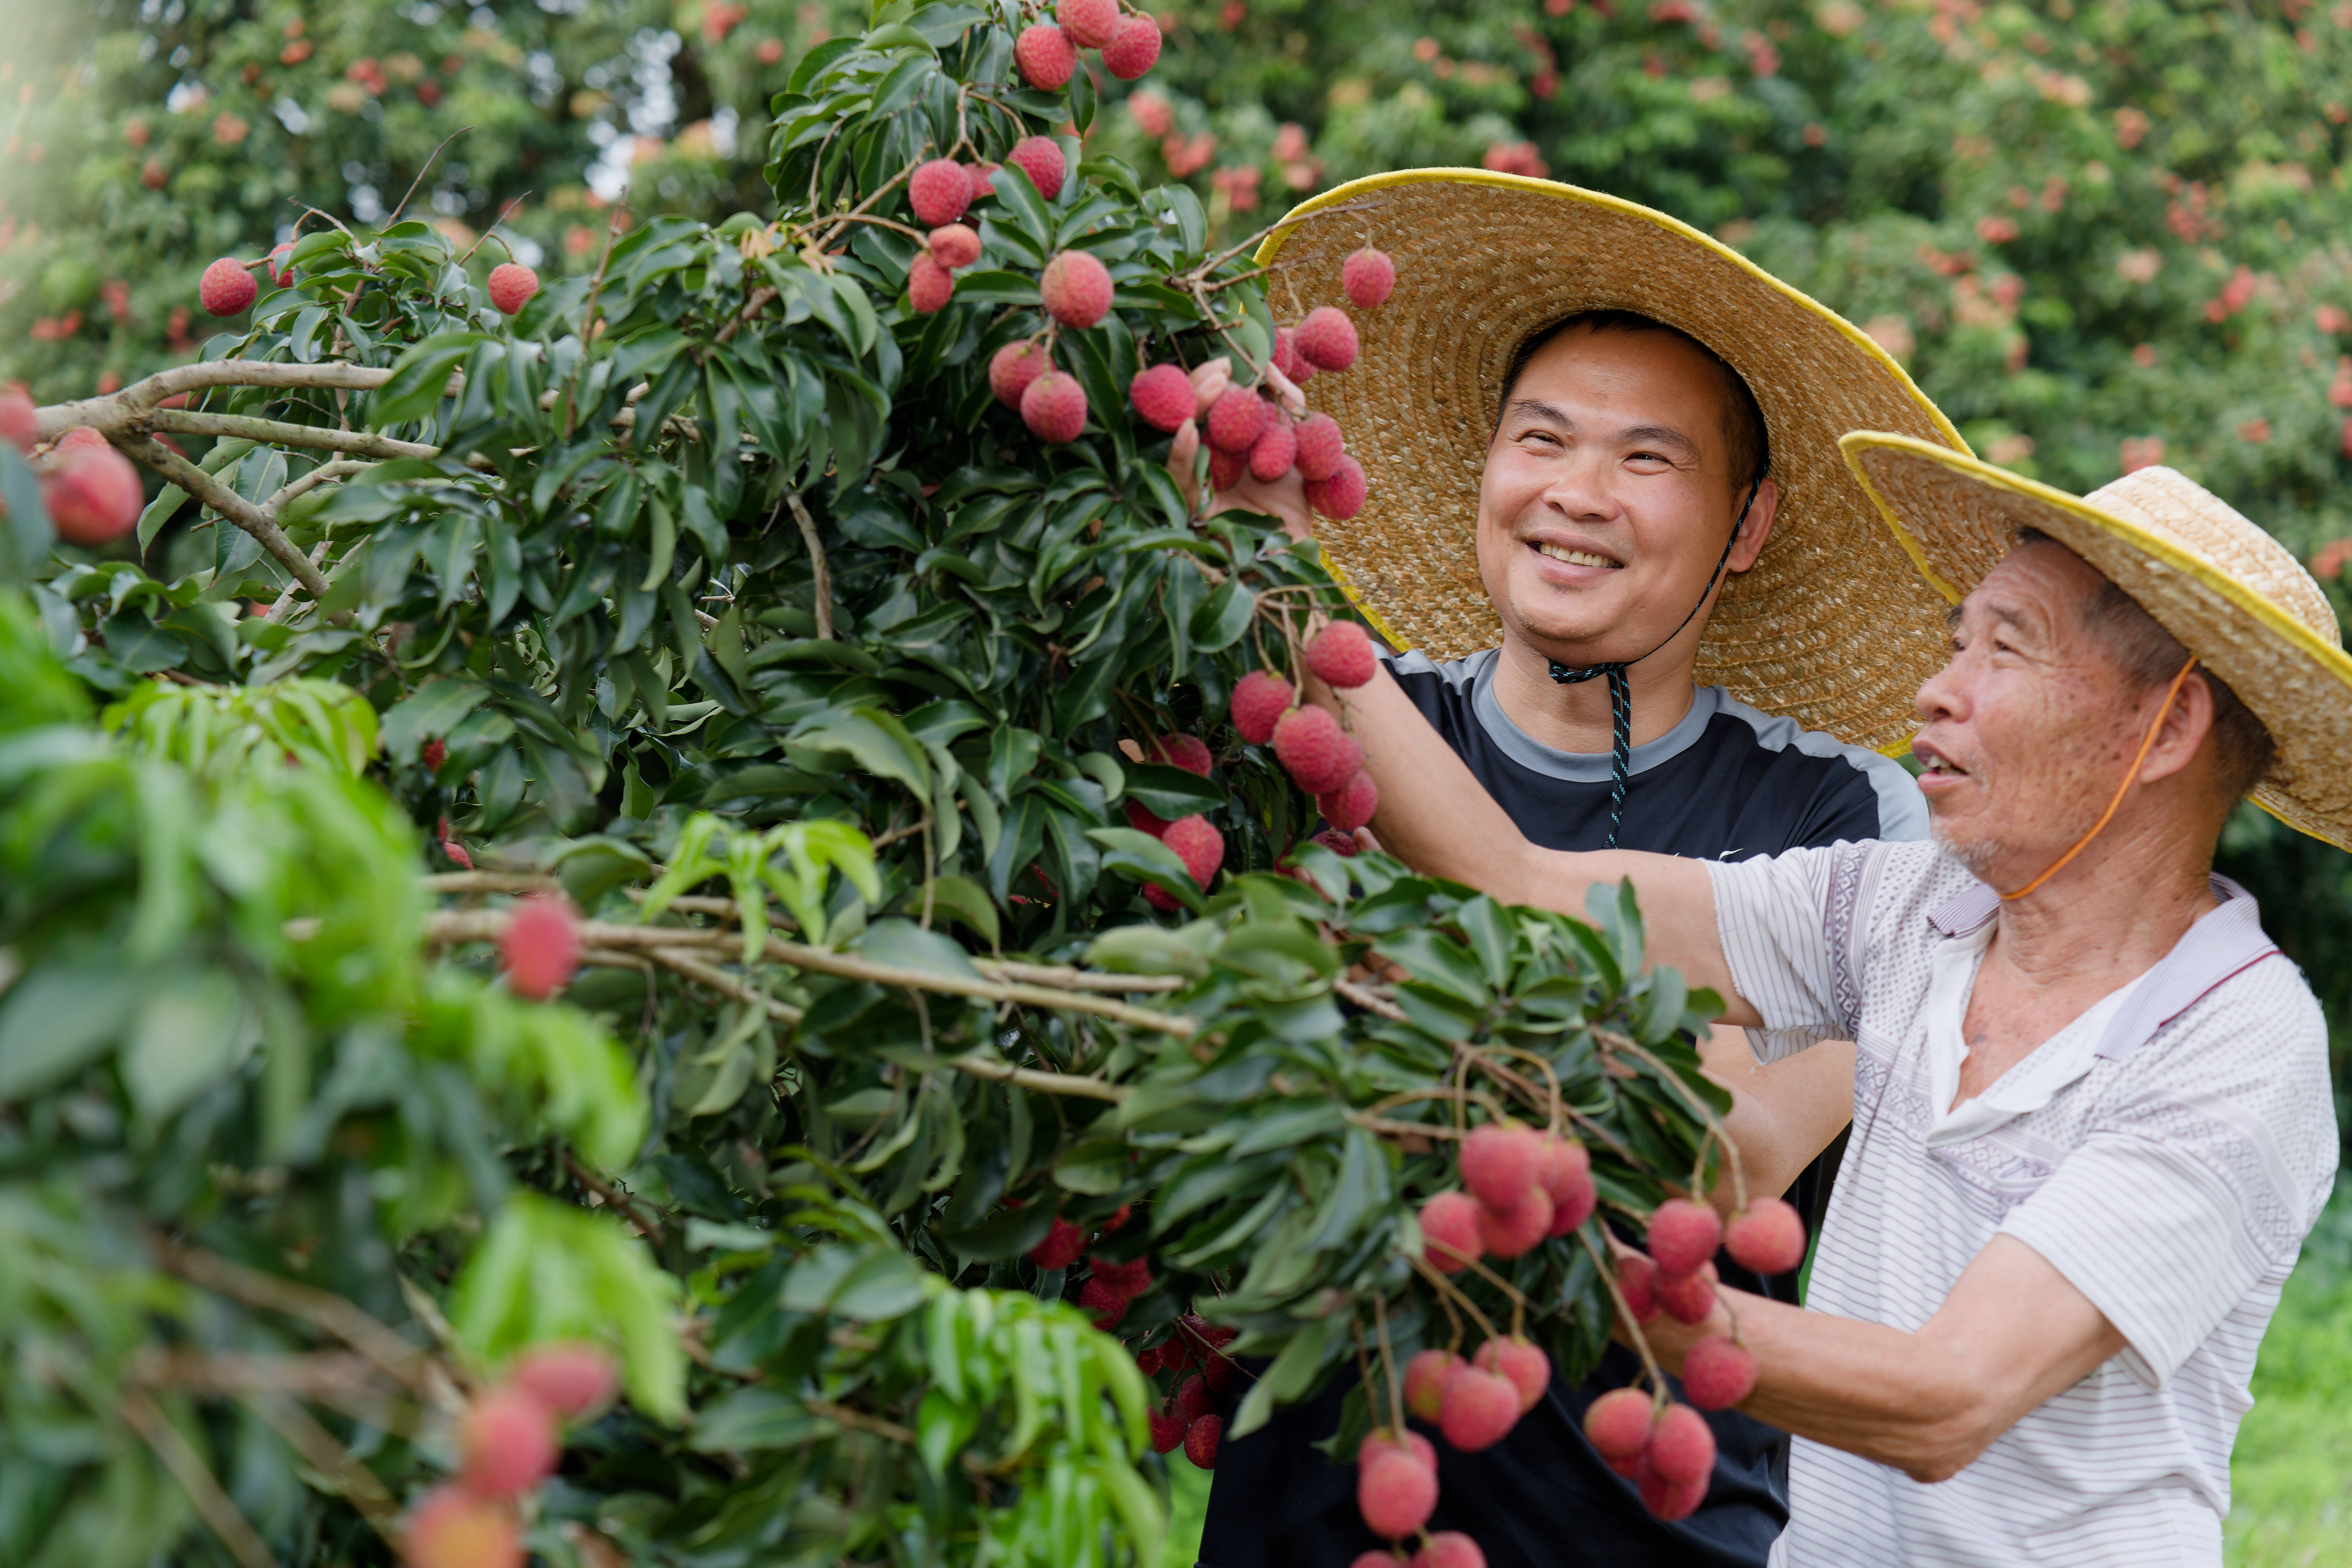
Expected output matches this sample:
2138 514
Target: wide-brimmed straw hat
1832 626
2226 590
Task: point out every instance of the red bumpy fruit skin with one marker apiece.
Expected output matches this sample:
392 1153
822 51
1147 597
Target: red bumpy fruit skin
1167 1431
542 946
1342 655
225 287
281 265
1688 1298
1101 1303
1499 1164
1374 1559
1381 1441
1352 805
1396 1494
1271 453
1618 1423
1218 1368
1201 846
1194 1399
1146 1362
938 191
91 493
1672 1500
1260 700
573 1380
1133 49
1508 1233
1236 420
1318 755
1226 468
1337 842
1478 1410
1043 53
1286 356
1013 368
20 422
1368 276
1061 1246
1717 1374
1684 1234
1766 1236
1129 1279
507 1438
929 287
1075 288
1163 397
1088 22
1451 1218
1448 1549
1521 1364
1321 446
1143 821
1637 1281
1189 753
1327 338
452 1528
1040 158
1425 1376
511 286
954 244
1341 496
1567 1175
1682 1446
1201 1441
1054 407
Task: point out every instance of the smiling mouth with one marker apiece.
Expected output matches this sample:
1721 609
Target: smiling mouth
1577 557
1934 764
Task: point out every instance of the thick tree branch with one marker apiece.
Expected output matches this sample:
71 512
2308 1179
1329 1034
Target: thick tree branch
122 411
823 574
214 1505
284 433
246 514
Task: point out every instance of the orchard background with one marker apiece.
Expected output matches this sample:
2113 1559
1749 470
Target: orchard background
2098 235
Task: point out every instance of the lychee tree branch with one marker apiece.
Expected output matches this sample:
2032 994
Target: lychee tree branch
244 514
1707 1118
285 433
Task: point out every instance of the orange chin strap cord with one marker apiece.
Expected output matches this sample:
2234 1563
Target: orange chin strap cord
2129 774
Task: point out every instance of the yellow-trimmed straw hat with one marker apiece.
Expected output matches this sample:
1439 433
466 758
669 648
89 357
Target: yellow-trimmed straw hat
2225 589
1832 626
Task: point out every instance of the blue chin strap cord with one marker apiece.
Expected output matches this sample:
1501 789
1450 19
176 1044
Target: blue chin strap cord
1621 690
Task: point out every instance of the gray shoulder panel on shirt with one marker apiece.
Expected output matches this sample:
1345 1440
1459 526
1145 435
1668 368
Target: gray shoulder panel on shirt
1902 809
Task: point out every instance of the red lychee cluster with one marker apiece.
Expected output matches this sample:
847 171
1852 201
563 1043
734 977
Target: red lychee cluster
1196 842
91 493
1067 1240
1667 1450
1396 1472
1523 1187
1678 1277
1048 55
541 947
506 1444
1194 1415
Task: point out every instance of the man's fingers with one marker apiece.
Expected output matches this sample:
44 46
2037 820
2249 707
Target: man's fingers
1284 498
1183 463
1366 842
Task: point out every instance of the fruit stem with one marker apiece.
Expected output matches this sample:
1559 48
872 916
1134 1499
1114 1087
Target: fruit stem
1388 1365
1447 1287
1625 1312
1548 1104
1714 1124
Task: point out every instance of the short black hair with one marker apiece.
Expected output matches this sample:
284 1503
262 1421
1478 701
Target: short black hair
1744 434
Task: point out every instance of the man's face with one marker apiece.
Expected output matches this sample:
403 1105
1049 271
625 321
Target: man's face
1608 495
2031 725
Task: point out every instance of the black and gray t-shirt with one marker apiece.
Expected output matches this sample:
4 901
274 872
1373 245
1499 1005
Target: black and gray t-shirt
1726 783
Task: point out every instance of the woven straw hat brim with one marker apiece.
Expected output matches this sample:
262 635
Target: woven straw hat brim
1832 626
2223 588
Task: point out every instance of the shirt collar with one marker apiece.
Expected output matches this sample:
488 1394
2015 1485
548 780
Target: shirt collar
1585 767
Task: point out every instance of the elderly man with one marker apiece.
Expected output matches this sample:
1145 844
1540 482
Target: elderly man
2092 1121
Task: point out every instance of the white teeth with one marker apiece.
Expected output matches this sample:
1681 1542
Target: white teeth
1574 557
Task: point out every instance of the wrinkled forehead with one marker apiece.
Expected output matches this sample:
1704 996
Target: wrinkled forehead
2040 585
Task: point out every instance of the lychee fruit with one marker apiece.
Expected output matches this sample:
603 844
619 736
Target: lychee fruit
1341 496
1146 1362
1189 753
1321 446
1412 1445
1327 338
1766 1236
1618 1423
1163 397
1133 49
1448 1549
1477 1410
1226 468
1682 1445
1499 1162
1061 1246
1352 805
1013 367
1143 821
1567 1175
1717 1374
1337 842
511 286
1396 1494
1286 356
939 190
281 265
20 422
1637 1281
953 245
1088 22
1522 1364
542 946
1260 700
1424 1381
929 287
1075 288
1688 1298
1101 1304
1450 1221
83 435
1201 1441
1237 419
1671 1500
1054 407
1270 454
1368 276
453 1528
508 1443
1508 1233
226 287
1219 1371
1194 1399
1201 846
1167 1431
1040 158
1317 753
1684 1234
1130 1279
93 492
1043 53
1342 655
573 1380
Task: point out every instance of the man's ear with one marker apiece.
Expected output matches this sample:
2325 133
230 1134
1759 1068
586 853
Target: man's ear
1756 529
2185 729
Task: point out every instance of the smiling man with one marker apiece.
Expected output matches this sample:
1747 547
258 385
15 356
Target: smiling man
1650 484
